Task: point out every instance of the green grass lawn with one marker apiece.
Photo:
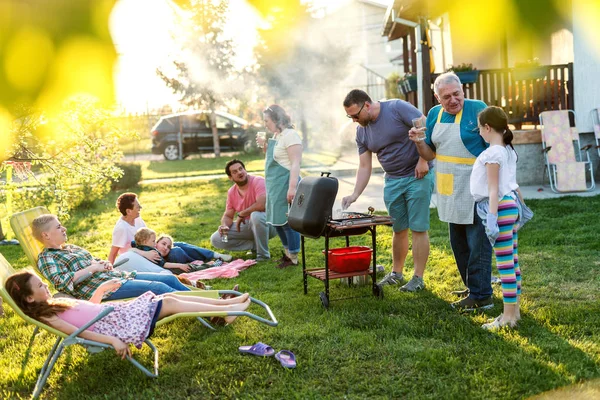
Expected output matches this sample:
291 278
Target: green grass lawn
206 165
131 146
404 346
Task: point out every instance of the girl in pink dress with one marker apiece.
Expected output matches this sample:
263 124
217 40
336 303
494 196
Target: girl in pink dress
130 322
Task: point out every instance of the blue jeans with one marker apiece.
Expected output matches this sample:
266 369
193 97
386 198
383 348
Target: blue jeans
143 282
473 254
184 253
289 237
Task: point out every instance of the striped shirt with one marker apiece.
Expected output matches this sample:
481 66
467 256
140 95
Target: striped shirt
60 265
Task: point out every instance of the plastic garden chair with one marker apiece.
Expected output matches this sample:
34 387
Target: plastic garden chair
567 167
21 226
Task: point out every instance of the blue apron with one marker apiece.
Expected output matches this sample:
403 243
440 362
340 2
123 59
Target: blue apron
277 180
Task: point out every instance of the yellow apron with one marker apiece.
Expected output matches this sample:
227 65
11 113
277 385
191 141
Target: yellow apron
453 172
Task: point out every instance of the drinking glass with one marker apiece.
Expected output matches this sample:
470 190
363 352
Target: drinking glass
420 124
261 138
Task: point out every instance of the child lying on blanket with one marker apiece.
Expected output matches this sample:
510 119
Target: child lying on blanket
31 294
145 239
181 252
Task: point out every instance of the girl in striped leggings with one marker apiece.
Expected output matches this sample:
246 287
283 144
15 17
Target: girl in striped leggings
494 188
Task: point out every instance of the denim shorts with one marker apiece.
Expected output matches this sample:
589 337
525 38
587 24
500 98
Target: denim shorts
407 201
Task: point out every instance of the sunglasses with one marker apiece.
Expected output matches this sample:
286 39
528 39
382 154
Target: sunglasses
355 116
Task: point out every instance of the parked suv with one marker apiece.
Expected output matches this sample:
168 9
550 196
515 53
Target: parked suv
197 134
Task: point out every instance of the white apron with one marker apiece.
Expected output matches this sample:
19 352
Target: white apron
453 173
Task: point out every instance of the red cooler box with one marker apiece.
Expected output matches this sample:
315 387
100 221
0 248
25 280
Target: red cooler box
349 259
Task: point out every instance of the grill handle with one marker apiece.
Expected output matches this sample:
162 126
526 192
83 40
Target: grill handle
325 174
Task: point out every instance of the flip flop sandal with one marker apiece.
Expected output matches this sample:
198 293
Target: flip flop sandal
286 358
258 349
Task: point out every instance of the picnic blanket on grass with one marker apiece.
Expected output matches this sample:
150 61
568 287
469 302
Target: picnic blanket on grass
227 270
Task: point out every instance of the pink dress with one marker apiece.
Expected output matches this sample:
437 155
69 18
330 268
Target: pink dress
130 321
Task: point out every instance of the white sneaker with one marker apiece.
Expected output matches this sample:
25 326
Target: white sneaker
393 278
414 285
224 257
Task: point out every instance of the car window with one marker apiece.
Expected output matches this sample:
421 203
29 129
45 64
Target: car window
169 124
224 123
195 122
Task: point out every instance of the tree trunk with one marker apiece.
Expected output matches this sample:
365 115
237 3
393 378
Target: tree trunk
303 127
215 133
2 236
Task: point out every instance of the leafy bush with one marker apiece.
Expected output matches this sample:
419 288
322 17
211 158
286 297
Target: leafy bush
391 86
464 67
73 153
132 175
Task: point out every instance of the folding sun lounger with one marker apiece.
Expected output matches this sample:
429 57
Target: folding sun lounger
63 340
21 225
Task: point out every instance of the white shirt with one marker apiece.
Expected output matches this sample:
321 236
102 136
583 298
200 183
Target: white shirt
287 138
123 233
504 156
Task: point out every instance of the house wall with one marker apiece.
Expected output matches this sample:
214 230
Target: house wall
586 67
358 26
556 48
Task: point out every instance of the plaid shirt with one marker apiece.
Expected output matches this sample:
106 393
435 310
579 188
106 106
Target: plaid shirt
59 267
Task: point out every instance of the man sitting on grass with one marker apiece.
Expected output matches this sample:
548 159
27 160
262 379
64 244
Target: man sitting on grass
74 271
249 229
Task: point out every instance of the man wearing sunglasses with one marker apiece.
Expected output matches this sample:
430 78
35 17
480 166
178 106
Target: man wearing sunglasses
383 130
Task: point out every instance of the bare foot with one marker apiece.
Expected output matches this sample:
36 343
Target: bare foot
236 299
244 297
237 307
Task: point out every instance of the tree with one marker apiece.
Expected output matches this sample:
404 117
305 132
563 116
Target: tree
74 167
205 73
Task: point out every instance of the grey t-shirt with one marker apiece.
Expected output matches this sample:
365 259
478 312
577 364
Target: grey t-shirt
387 136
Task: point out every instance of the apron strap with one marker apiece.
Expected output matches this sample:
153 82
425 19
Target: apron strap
456 119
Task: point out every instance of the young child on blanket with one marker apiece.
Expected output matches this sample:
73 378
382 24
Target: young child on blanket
145 239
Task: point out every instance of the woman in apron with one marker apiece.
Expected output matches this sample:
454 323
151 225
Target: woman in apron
282 174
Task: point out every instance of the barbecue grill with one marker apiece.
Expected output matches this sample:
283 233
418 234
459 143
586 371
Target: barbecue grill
310 215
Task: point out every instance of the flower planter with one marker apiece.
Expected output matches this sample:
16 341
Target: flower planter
468 76
407 85
522 74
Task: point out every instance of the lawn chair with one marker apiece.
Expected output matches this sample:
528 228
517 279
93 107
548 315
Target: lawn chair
566 171
21 226
63 340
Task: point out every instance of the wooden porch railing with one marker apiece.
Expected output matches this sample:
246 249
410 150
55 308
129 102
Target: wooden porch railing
522 93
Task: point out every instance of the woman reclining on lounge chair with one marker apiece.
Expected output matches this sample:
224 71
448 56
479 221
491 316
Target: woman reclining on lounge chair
130 322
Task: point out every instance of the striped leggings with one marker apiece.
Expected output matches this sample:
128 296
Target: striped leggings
507 257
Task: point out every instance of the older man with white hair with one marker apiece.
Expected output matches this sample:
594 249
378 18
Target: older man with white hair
452 136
